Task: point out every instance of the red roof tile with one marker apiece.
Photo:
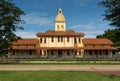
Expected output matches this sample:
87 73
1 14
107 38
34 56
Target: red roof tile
102 41
24 48
26 41
99 48
60 48
60 33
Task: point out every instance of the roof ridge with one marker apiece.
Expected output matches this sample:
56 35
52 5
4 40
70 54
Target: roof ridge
28 38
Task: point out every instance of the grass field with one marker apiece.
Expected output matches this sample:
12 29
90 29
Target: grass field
63 63
55 76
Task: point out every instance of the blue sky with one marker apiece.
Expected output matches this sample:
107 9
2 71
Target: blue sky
81 15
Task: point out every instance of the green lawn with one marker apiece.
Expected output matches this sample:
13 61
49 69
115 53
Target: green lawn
64 63
55 76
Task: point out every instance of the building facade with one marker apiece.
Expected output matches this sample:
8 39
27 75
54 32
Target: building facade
61 43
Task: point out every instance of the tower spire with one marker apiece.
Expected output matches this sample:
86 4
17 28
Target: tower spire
60 22
60 11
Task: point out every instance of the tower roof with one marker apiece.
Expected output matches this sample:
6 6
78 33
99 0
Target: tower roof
60 17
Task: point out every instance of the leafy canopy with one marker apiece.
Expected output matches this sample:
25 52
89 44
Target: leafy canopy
112 12
9 23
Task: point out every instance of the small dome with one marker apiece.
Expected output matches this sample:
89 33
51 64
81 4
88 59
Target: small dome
60 17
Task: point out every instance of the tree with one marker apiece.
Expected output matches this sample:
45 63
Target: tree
112 12
113 35
110 34
9 23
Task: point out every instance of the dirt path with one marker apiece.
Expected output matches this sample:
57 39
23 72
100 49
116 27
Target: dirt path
105 69
62 67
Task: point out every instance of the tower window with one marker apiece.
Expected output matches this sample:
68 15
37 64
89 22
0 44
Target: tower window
60 11
58 26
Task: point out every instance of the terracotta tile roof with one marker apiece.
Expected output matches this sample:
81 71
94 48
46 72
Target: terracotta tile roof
60 33
102 41
24 48
60 48
100 48
64 48
26 41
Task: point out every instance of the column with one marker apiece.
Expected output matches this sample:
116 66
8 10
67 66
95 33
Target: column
65 52
110 53
104 53
42 53
71 55
77 54
73 42
82 52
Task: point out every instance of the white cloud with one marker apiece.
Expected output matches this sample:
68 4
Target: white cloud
76 26
40 19
87 27
27 34
92 34
82 2
91 30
